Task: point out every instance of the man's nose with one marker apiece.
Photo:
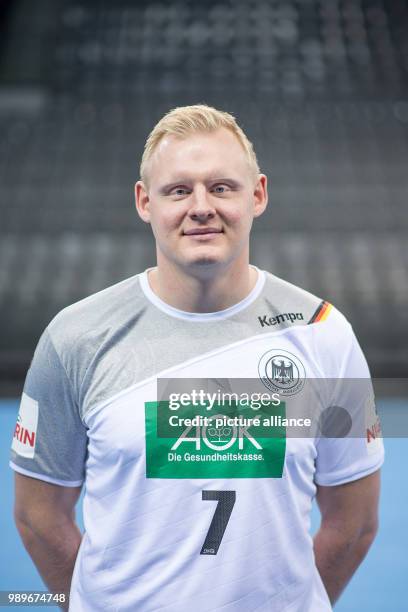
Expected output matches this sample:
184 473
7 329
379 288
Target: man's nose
201 206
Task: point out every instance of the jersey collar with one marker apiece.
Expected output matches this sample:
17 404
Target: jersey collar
201 316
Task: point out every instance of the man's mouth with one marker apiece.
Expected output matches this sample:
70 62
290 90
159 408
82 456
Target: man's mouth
198 231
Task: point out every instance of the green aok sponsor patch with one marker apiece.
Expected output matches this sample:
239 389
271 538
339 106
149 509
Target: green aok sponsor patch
231 441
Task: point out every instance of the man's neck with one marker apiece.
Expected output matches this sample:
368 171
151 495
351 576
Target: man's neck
193 294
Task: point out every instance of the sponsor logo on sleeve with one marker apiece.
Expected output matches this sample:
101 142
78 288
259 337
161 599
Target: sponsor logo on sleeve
373 427
25 432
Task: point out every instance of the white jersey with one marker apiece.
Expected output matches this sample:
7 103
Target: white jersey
203 516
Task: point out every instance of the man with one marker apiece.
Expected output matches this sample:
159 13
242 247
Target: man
172 522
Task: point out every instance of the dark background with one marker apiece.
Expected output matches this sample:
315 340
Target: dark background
321 89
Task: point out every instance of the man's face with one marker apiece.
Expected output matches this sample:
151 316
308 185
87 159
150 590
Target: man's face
201 199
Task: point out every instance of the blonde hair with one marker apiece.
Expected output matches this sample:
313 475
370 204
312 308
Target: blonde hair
185 120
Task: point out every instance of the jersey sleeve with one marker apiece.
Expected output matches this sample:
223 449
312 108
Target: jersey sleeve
358 449
50 439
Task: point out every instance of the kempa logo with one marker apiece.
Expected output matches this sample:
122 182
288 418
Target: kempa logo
266 321
282 371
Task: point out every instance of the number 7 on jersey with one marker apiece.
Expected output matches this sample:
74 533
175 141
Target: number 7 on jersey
226 501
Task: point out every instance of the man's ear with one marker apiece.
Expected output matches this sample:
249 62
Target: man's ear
260 195
142 201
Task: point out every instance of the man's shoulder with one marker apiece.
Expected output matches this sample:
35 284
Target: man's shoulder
115 306
287 302
324 328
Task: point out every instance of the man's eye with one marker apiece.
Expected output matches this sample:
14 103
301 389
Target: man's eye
179 191
220 188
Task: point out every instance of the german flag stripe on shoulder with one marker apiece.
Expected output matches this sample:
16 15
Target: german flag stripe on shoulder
322 312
